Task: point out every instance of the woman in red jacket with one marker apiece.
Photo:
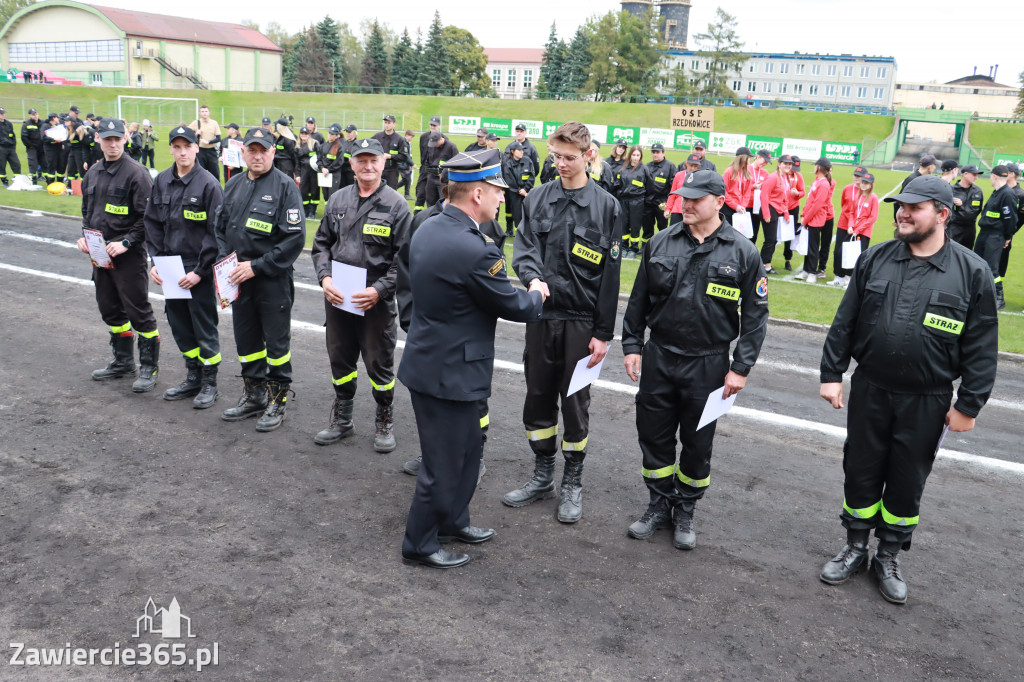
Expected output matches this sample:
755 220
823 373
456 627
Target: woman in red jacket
816 219
674 203
775 193
758 175
863 215
739 185
796 192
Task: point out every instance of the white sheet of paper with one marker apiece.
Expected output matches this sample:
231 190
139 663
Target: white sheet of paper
323 180
942 438
348 280
800 241
583 376
716 407
231 157
757 201
97 249
171 269
851 252
742 222
222 269
786 230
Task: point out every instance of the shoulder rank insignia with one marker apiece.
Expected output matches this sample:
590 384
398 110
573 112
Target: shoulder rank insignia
499 266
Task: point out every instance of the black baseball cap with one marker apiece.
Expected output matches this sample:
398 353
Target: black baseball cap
868 177
481 132
949 164
743 151
370 146
693 158
435 120
390 117
351 128
303 130
514 145
701 183
859 171
310 119
32 111
266 120
433 137
657 147
2 110
334 129
74 108
492 136
232 125
111 127
927 160
970 168
1013 168
785 158
622 142
926 188
258 136
182 131
765 154
520 126
796 161
282 121
1000 170
700 144
823 163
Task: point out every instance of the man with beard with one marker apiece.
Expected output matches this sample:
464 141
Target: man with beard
919 313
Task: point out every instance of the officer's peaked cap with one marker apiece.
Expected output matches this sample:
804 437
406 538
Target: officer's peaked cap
479 166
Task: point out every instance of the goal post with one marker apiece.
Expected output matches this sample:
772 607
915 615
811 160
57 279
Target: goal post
162 112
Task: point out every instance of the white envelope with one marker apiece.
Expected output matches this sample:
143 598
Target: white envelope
348 280
171 270
583 376
716 406
323 180
742 222
786 230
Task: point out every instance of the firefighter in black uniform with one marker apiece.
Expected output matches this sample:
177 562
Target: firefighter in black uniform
529 151
459 289
439 150
403 296
663 172
346 176
33 141
692 279
313 132
549 169
1014 176
569 240
967 202
78 162
997 226
632 185
52 150
180 221
308 187
481 141
421 183
8 148
598 169
261 220
700 148
285 157
919 313
393 144
519 175
95 153
114 196
364 226
331 159
405 167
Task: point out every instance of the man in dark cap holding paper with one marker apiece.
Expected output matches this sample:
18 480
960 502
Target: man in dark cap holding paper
393 144
918 314
439 150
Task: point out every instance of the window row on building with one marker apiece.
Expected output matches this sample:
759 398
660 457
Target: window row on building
513 78
809 89
71 51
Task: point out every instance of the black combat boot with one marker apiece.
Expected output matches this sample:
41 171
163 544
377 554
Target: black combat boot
657 516
570 503
340 425
277 406
538 487
190 386
1000 301
149 364
684 536
384 425
887 570
850 560
208 392
123 364
253 402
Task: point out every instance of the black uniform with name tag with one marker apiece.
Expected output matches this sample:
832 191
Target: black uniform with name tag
662 174
8 151
394 151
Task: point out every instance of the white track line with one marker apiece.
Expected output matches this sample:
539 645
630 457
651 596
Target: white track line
836 432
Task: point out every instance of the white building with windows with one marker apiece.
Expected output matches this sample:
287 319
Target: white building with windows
815 79
514 71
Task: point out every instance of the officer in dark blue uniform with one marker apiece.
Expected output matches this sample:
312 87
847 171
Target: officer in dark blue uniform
459 289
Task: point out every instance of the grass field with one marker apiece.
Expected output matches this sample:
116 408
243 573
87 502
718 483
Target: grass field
1002 137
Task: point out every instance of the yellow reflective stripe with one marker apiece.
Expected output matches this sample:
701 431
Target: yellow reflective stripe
215 360
975 203
943 323
150 335
696 483
378 230
587 254
596 176
661 180
194 353
332 156
386 387
345 379
116 210
281 360
638 183
575 447
253 356
392 151
663 472
898 520
485 421
991 214
195 215
543 434
122 329
719 291
259 225
998 280
526 176
864 512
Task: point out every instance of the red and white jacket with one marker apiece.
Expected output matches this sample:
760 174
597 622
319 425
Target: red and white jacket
846 201
758 176
819 201
739 191
774 193
674 203
796 181
864 215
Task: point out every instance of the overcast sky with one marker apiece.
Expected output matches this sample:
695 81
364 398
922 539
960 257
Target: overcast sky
937 40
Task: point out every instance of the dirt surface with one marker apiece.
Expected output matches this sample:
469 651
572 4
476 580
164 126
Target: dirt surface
286 554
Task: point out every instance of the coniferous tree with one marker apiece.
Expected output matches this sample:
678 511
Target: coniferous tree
577 61
435 69
375 59
330 35
552 66
403 64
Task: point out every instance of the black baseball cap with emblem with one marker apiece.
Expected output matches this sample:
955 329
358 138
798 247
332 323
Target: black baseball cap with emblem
258 136
970 168
266 120
33 111
480 132
111 127
479 166
2 110
700 144
859 171
622 142
390 117
303 130
765 154
694 159
492 137
514 145
701 183
925 188
335 129
370 146
657 147
183 132
74 108
435 120
520 126
310 119
351 128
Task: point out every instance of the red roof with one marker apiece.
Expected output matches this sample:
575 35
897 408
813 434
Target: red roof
183 29
514 55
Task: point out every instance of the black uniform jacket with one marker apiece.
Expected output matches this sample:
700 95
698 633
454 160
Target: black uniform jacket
114 196
549 171
687 293
973 199
459 289
180 218
605 179
7 138
914 327
436 156
633 183
519 174
31 136
1000 212
263 221
365 235
285 155
573 246
529 152
662 175
394 147
334 161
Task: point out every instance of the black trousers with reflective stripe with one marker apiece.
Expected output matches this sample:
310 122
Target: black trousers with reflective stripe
308 187
76 168
451 443
262 320
634 218
35 161
9 155
673 391
888 454
122 294
51 162
194 320
553 347
653 216
373 335
513 211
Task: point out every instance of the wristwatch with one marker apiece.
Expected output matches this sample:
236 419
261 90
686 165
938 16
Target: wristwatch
126 244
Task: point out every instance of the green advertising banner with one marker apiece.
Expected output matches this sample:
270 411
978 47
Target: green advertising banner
773 145
1005 159
685 139
502 127
841 152
631 135
549 128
